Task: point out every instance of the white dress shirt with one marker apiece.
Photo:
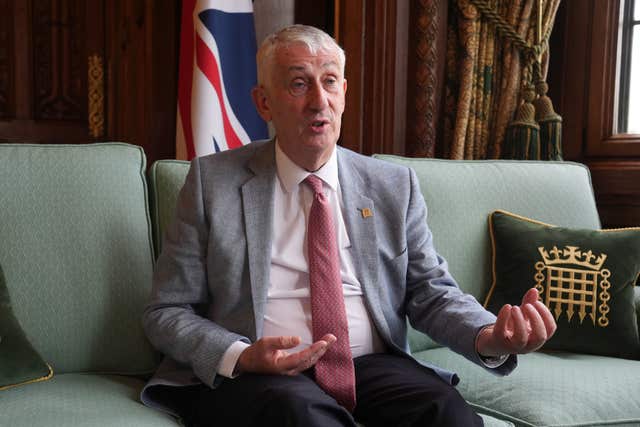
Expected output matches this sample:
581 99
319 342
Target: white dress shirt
288 309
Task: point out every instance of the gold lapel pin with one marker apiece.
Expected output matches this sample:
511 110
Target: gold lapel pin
366 212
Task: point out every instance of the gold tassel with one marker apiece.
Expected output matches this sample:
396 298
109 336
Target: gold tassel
550 124
522 140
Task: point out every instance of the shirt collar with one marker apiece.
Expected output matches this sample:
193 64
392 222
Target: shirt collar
291 175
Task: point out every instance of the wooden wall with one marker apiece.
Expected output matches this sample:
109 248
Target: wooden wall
583 81
45 79
45 47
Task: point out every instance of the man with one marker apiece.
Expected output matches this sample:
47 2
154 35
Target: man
240 290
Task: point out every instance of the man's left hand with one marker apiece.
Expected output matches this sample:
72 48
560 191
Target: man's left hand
518 329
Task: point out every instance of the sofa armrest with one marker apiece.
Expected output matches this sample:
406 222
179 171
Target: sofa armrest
637 301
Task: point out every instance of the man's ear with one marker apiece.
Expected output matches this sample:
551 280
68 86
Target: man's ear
262 103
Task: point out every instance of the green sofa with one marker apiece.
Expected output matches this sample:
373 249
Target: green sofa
80 225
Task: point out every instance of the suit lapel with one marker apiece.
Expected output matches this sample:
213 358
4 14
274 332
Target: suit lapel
359 213
257 202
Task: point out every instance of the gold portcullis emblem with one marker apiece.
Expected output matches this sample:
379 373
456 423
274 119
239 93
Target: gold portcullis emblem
573 281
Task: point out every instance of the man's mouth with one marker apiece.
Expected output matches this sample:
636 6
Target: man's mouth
319 125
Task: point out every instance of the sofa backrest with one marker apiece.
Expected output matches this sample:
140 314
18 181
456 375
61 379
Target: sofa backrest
76 250
166 178
459 196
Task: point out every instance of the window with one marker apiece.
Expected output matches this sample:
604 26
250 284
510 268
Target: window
629 89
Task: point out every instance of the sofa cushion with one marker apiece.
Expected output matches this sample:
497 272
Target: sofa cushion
585 277
21 364
490 421
80 400
460 194
557 389
77 252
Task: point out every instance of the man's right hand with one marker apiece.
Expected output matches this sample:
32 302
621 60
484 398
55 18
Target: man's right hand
269 355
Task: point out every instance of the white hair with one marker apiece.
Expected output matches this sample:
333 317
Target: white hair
314 38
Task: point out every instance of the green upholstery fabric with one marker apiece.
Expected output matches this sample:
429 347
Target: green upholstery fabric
490 421
554 389
601 264
20 363
80 400
79 259
637 300
166 178
461 194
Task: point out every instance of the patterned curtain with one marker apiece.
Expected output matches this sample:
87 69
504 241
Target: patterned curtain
486 72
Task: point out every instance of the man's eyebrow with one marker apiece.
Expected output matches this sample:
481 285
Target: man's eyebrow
296 68
328 64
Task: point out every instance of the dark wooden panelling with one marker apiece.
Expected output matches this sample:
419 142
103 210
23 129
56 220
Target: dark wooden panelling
59 60
163 36
143 72
48 46
617 189
318 13
375 36
602 136
22 51
427 52
586 39
7 108
48 60
351 37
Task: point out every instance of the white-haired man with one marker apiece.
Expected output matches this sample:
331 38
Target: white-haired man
281 299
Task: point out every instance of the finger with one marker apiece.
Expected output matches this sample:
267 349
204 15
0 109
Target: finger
538 334
329 339
549 322
501 328
297 362
520 336
281 343
530 297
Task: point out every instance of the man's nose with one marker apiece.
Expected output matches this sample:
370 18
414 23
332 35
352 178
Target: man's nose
317 97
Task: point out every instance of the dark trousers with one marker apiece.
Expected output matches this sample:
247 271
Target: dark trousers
390 391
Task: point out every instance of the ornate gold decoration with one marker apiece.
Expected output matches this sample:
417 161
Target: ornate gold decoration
572 281
96 96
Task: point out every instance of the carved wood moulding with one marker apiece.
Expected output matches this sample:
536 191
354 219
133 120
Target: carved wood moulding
424 87
59 60
6 61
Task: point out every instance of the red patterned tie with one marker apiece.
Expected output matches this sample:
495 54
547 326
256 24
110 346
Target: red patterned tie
334 371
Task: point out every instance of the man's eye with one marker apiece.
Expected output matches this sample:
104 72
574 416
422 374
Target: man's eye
298 86
331 83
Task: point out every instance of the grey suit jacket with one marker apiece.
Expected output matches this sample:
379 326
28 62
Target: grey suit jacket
211 280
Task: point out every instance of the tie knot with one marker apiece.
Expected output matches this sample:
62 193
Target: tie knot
315 183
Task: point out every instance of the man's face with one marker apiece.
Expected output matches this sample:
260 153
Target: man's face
304 98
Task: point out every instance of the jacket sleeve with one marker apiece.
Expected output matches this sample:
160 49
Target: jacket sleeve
171 320
434 302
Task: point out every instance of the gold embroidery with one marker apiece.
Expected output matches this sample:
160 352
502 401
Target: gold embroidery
570 287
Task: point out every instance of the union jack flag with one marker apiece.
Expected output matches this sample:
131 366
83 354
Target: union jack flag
216 74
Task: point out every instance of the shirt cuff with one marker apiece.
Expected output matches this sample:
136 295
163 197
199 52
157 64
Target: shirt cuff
490 362
230 358
493 362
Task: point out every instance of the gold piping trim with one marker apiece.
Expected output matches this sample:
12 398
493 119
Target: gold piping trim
533 221
36 380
